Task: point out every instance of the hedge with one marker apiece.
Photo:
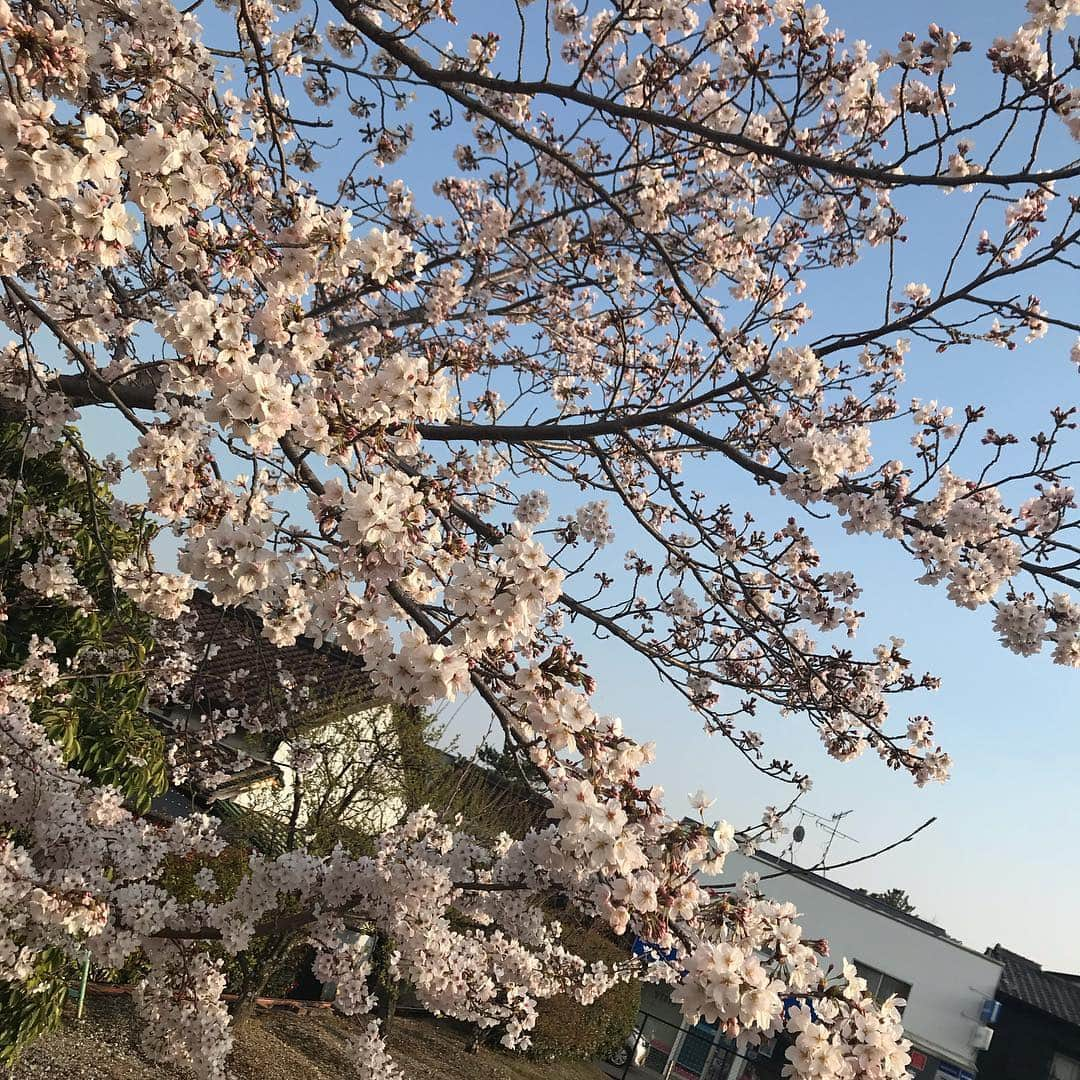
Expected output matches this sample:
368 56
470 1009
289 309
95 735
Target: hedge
567 1030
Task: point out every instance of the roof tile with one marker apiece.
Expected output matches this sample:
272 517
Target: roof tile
1046 991
239 667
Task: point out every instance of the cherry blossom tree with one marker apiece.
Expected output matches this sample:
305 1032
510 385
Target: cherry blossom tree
95 713
413 323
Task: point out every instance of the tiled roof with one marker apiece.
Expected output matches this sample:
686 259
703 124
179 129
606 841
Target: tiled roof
240 667
1026 981
237 667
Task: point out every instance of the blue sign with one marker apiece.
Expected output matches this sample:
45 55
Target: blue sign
991 1010
945 1071
653 952
791 1002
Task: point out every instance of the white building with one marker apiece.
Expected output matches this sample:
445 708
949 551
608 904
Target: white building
353 781
945 983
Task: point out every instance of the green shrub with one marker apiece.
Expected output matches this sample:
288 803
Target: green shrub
229 869
105 646
97 719
29 1009
566 1030
178 879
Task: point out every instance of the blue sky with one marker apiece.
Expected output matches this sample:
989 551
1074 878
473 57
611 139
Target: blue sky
1000 862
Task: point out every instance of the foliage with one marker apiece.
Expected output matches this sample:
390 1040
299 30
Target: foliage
897 898
418 733
180 876
512 767
30 1008
276 968
101 636
487 801
263 832
362 765
103 642
566 1029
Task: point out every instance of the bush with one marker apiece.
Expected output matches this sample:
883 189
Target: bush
229 868
178 880
566 1030
31 1008
98 719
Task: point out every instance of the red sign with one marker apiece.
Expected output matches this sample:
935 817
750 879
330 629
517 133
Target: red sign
918 1061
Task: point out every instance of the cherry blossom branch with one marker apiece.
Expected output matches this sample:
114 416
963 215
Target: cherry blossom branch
885 176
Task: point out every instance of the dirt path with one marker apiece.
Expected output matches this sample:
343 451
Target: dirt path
276 1045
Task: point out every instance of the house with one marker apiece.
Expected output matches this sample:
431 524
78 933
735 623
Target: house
945 983
1037 1029
264 705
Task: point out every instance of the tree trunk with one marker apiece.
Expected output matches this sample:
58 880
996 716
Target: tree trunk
385 987
255 980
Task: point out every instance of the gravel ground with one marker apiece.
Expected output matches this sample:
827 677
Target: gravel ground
277 1045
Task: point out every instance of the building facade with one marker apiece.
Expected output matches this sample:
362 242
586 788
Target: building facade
265 706
1037 1030
946 984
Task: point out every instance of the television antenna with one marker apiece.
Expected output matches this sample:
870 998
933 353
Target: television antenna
830 824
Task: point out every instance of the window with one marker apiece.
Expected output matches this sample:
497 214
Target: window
880 986
1064 1068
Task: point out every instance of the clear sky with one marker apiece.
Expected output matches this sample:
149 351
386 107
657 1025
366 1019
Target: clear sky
1000 864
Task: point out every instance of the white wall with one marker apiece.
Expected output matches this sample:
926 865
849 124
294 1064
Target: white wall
948 981
349 752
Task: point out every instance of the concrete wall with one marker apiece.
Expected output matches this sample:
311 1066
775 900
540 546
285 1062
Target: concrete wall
948 982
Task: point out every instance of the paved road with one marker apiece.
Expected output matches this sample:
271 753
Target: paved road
616 1072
